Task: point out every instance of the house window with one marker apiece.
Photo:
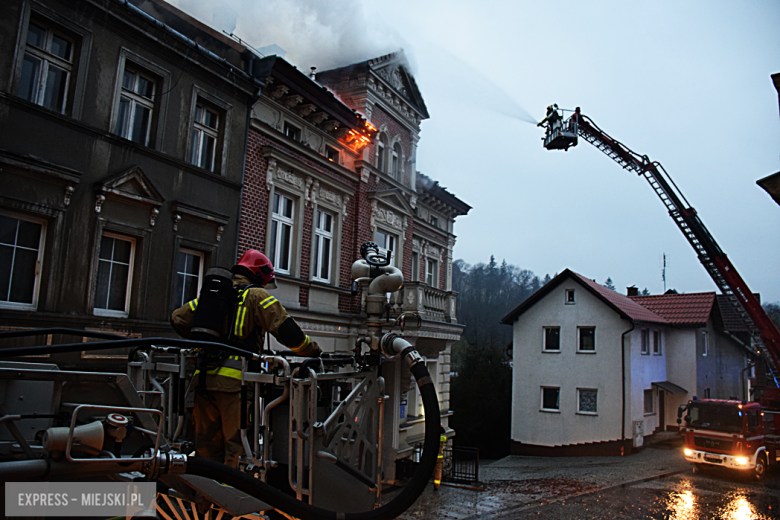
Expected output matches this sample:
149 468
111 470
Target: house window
569 297
415 266
396 161
587 401
434 221
136 105
657 342
645 341
706 393
323 240
205 137
21 253
586 341
380 153
293 132
551 398
115 274
47 67
281 232
387 244
552 339
705 342
649 402
189 275
332 154
432 273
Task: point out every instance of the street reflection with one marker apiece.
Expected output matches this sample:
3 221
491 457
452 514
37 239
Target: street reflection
682 506
738 508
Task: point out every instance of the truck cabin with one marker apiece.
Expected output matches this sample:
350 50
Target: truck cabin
720 415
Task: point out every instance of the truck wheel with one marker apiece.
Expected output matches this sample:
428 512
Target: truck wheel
760 470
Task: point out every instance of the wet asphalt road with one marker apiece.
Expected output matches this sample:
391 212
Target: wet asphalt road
685 496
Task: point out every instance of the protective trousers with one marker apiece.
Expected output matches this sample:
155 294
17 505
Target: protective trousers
217 417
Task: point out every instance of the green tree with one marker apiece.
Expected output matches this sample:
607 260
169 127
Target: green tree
608 283
773 310
481 396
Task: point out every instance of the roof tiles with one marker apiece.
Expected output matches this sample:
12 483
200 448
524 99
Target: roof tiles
680 309
632 309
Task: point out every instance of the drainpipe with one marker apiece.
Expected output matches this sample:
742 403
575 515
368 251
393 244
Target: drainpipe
623 372
254 99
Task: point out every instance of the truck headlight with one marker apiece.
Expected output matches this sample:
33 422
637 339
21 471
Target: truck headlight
688 453
741 461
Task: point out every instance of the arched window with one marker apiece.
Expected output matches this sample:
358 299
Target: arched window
396 162
381 147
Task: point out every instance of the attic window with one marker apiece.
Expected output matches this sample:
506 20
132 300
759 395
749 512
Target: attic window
569 297
332 154
293 132
434 221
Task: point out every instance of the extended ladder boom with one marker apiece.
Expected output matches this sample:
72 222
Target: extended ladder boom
765 338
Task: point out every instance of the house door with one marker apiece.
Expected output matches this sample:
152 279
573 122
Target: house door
661 410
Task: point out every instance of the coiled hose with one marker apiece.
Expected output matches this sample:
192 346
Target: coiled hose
290 505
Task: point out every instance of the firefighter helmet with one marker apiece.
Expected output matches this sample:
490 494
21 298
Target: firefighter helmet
257 267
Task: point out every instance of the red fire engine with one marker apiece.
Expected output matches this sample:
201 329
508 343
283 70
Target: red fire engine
726 433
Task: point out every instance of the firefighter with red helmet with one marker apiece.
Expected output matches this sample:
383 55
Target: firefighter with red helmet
217 396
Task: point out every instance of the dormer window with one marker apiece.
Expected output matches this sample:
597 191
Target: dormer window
332 154
293 132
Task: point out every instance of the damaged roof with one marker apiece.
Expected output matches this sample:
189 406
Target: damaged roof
427 185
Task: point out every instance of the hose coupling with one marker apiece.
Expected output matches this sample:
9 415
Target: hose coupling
393 344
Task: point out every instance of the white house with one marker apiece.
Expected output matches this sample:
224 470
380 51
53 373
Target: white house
595 371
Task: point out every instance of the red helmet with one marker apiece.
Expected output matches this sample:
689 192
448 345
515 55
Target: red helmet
257 267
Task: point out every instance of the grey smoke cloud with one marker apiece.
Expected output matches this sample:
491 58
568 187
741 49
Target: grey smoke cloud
313 33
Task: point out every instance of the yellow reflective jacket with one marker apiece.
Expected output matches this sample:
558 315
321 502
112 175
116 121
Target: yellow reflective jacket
257 311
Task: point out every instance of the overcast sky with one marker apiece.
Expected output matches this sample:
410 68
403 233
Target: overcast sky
685 82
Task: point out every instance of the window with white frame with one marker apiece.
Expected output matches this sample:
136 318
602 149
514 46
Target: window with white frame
415 266
135 112
21 255
644 341
586 339
386 242
47 66
551 399
705 343
380 153
587 401
282 222
205 137
552 339
114 276
569 298
657 342
432 272
649 402
396 161
189 276
323 245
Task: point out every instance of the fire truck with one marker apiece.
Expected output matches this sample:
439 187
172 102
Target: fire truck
718 433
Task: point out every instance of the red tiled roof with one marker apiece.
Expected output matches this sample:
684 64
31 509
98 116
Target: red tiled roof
632 309
680 309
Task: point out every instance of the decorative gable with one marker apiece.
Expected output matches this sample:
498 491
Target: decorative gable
130 187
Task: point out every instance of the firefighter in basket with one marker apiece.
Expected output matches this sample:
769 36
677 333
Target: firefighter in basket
235 311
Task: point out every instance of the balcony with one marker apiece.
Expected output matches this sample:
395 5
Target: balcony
430 303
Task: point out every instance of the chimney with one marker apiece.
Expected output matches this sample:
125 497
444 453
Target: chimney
632 291
313 73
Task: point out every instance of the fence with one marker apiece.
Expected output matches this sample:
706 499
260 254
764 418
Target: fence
461 464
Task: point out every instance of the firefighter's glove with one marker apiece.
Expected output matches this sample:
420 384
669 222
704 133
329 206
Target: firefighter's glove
311 350
540 124
308 348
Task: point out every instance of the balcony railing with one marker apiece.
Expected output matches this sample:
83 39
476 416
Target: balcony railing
430 303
